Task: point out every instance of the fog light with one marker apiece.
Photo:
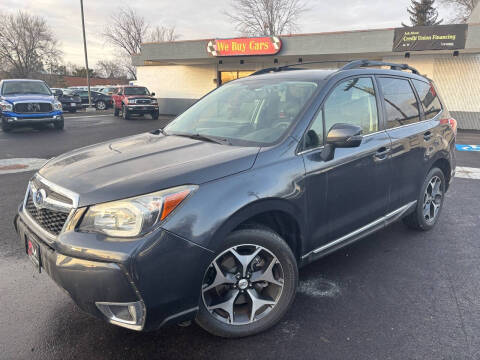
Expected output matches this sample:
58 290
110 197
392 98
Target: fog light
11 119
129 315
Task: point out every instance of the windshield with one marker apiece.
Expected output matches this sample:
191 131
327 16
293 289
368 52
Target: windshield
136 91
68 92
254 112
25 87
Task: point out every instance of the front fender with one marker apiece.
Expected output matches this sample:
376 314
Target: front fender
218 207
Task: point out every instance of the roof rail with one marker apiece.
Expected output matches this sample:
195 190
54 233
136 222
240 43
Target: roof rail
368 63
355 64
290 66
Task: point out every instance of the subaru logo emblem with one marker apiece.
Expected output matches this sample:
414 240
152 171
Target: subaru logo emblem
39 198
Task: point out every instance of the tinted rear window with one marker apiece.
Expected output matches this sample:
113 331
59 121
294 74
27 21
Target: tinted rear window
400 102
429 98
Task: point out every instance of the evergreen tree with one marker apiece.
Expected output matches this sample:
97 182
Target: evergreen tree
423 13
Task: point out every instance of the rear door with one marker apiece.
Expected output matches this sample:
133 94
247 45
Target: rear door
351 190
412 136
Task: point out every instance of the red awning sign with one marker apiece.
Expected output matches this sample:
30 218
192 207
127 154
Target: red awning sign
244 46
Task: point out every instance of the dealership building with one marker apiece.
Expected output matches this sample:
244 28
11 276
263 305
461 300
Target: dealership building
180 72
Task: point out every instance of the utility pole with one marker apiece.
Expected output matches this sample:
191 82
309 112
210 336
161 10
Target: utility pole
89 108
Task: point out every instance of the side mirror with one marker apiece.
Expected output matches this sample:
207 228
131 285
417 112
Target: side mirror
153 94
341 136
345 136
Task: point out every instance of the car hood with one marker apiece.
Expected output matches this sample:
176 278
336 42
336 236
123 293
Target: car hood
27 97
142 164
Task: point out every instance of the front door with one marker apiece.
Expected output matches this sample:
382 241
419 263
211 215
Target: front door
351 190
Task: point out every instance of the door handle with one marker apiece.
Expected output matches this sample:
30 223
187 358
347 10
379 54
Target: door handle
427 136
382 153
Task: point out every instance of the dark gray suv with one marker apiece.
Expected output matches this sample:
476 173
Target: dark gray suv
210 218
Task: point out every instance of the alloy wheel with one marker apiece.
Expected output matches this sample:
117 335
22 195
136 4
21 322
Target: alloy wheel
432 199
101 105
243 284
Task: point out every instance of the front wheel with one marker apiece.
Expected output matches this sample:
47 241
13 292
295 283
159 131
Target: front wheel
6 127
429 203
125 114
72 111
59 125
249 285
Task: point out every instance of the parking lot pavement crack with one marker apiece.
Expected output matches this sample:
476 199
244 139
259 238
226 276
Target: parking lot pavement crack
459 312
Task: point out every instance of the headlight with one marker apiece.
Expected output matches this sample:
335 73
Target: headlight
134 216
6 106
154 101
57 105
131 101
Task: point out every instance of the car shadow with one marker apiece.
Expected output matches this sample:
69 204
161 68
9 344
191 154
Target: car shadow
330 293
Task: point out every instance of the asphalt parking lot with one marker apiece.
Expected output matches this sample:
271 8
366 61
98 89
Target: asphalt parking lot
397 294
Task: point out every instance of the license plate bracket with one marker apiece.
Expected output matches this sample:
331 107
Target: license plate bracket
33 252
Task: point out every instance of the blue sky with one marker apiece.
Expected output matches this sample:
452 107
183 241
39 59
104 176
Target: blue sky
197 19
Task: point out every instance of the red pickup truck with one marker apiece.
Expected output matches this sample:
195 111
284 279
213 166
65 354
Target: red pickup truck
129 100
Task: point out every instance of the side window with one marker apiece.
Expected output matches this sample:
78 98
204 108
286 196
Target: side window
428 98
400 102
352 102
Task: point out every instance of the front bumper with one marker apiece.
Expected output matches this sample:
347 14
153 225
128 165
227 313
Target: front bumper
161 271
68 105
13 119
141 109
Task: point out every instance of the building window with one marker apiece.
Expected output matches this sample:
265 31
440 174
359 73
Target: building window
226 76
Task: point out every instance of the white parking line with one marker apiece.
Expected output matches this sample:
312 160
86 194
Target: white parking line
467 172
86 116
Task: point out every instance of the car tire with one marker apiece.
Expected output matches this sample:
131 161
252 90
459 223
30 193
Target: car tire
6 127
125 114
429 203
59 125
72 111
154 115
272 250
101 105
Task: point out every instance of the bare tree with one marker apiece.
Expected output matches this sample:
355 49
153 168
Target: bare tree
163 34
463 8
109 69
27 45
128 30
266 17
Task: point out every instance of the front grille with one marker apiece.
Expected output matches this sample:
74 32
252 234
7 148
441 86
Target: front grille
143 101
33 107
50 220
50 193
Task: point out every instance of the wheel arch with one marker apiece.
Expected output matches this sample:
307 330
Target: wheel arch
278 215
443 164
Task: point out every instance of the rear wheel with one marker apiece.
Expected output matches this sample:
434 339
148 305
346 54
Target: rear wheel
249 285
429 203
101 105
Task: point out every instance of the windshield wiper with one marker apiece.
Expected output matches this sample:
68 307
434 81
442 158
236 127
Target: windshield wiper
214 139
